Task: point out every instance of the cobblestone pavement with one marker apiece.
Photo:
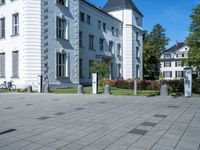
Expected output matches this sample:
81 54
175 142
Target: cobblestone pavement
83 122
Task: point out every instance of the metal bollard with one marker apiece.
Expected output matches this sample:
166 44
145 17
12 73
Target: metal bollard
80 89
107 89
29 89
164 90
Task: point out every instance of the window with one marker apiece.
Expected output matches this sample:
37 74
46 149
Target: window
15 64
2 2
15 24
62 2
82 17
137 21
137 52
111 71
101 44
104 27
2 28
2 65
117 32
179 74
178 64
137 36
137 71
99 24
119 49
167 64
91 42
113 31
183 55
167 55
91 62
167 74
62 27
81 39
81 68
119 71
88 19
110 46
61 70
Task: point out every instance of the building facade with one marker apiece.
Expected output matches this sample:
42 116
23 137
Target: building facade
60 39
172 66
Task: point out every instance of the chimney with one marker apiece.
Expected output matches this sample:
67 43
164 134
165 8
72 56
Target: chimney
177 42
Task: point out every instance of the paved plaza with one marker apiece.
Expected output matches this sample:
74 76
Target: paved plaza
89 122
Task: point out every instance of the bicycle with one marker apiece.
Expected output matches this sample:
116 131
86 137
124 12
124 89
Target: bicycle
8 86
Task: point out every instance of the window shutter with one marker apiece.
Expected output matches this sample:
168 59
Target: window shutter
15 63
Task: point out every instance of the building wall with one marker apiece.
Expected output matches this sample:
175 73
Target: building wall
13 43
131 26
97 55
70 47
176 56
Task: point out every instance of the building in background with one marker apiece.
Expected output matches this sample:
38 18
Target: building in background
60 39
171 66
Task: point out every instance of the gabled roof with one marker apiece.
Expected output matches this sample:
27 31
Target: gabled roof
121 4
175 47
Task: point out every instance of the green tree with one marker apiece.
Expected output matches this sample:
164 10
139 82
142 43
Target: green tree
100 68
154 44
193 40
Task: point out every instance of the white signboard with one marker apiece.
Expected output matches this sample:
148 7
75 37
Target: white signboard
188 82
94 83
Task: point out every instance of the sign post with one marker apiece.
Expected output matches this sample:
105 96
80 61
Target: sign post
94 83
188 82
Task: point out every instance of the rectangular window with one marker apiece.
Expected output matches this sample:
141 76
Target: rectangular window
104 27
137 36
15 24
91 62
119 71
15 64
81 39
62 28
62 2
81 68
111 71
82 17
111 45
167 55
179 74
91 42
167 64
178 64
119 49
101 44
117 32
137 52
61 70
2 28
99 24
113 31
2 65
88 19
137 71
2 2
167 74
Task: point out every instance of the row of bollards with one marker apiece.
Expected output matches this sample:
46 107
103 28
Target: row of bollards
80 89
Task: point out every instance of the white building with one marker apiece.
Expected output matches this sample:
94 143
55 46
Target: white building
171 61
59 39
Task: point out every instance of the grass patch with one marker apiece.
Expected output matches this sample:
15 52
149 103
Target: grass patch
114 91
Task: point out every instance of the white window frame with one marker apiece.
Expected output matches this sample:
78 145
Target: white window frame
15 24
64 65
2 27
62 28
17 75
2 62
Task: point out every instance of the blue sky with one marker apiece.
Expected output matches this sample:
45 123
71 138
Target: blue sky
172 14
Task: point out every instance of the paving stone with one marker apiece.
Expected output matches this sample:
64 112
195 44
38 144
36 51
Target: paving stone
160 116
150 124
60 114
44 118
138 131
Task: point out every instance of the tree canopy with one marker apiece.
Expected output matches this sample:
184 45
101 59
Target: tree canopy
154 44
193 40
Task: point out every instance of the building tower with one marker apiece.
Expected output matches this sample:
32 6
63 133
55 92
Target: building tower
127 12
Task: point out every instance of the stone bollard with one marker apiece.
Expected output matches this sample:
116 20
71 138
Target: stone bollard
164 90
107 89
47 88
80 89
29 89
